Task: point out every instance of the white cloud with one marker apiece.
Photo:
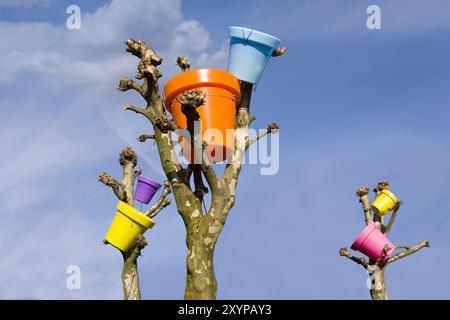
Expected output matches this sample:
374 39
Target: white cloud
57 138
23 3
94 55
217 60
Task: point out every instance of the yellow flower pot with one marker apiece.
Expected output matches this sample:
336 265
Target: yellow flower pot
127 224
384 203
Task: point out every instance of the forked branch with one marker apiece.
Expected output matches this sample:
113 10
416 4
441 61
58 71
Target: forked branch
409 251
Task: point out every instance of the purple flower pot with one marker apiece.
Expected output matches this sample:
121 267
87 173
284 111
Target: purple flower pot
145 189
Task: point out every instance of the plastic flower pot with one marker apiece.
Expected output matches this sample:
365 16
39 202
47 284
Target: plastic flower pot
384 203
127 224
145 189
216 116
250 50
371 242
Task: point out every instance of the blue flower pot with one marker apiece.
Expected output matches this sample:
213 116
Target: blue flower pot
250 51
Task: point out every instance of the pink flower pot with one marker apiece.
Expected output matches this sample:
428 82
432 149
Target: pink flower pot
371 242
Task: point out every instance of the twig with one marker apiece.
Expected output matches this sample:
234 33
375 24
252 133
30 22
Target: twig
271 128
392 219
379 261
126 84
362 194
407 252
161 203
183 63
137 172
145 137
134 109
361 261
279 51
115 185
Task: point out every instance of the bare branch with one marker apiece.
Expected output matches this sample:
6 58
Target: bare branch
137 172
134 109
145 137
126 84
271 128
149 60
384 252
362 193
392 219
183 63
165 203
407 252
161 202
115 185
279 51
361 261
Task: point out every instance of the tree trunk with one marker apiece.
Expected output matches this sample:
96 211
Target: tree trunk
378 287
130 278
201 237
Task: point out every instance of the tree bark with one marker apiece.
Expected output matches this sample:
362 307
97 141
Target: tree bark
201 237
130 276
378 286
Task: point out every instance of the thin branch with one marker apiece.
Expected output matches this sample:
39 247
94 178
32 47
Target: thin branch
115 185
362 194
145 137
271 128
137 172
161 203
402 246
392 219
384 252
165 203
126 84
134 109
407 252
361 261
183 63
279 51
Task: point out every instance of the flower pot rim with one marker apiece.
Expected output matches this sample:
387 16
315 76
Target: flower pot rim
204 77
254 36
154 184
135 215
389 193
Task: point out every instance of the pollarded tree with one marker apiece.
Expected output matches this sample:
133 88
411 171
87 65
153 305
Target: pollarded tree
376 268
202 227
124 191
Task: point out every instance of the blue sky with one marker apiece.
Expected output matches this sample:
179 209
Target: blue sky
355 107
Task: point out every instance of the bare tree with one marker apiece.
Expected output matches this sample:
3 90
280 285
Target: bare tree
124 191
376 268
203 227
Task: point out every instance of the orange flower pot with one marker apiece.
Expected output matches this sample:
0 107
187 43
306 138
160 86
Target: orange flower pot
216 116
